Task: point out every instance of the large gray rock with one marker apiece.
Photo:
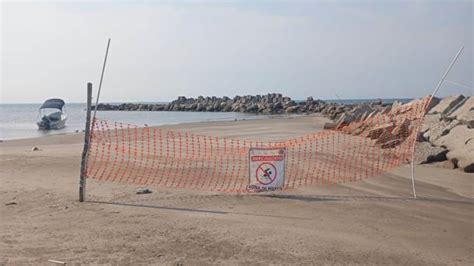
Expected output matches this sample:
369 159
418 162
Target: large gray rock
465 112
396 106
464 158
448 164
439 129
344 119
371 116
402 130
377 131
429 121
456 139
433 103
425 152
361 111
329 125
292 109
447 105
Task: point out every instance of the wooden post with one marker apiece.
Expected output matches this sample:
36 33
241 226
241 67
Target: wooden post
85 151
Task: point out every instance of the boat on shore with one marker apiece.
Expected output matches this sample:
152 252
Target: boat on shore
52 115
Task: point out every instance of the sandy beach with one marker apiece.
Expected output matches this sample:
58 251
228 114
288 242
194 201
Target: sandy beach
375 221
237 133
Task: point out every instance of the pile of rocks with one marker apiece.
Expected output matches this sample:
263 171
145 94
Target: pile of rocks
446 136
447 133
388 125
343 114
273 103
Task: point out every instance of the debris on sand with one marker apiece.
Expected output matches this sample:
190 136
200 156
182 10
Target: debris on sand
11 203
144 191
35 148
57 262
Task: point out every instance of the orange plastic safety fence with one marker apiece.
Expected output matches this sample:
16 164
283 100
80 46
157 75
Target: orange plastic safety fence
167 158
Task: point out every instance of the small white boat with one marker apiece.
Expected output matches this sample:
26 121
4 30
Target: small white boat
52 115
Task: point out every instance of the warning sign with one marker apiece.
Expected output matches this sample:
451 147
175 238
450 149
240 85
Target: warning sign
267 168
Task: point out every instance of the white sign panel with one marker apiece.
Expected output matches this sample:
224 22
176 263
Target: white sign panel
267 168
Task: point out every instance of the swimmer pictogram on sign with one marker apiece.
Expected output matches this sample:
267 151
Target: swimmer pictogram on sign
266 173
267 168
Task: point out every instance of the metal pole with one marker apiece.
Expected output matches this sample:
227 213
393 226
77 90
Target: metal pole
428 104
101 79
413 171
445 74
82 179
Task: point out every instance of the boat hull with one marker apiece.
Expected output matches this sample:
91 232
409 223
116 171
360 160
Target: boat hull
48 125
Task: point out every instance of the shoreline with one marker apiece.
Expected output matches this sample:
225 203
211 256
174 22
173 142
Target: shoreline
230 119
175 125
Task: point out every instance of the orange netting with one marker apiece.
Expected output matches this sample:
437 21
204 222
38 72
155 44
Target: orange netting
168 158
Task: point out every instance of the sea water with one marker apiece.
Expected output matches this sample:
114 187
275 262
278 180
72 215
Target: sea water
18 121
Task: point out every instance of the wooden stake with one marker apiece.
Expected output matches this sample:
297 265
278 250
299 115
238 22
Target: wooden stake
85 151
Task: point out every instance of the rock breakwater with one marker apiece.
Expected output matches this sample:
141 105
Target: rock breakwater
273 103
446 136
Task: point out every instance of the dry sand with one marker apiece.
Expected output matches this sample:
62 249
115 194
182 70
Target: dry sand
375 221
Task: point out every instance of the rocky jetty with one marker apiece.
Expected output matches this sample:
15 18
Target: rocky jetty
450 126
274 103
446 136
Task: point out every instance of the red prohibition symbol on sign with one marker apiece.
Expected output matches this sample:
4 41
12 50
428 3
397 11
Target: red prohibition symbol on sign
266 173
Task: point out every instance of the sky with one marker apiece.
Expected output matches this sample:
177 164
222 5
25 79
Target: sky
164 49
